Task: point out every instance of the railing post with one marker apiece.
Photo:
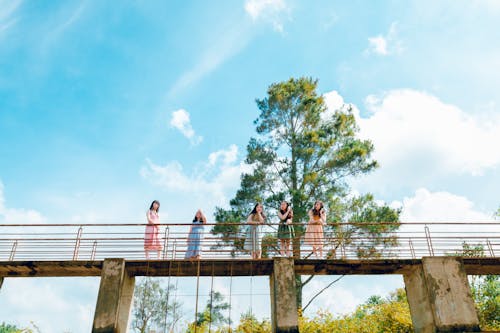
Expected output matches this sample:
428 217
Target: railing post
13 251
94 247
342 249
77 243
165 242
412 250
174 249
429 241
490 247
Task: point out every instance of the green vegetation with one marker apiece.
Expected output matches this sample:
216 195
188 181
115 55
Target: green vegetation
154 306
304 152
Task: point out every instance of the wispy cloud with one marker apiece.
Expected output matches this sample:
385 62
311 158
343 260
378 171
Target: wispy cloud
210 182
237 35
222 48
181 120
7 11
66 19
387 44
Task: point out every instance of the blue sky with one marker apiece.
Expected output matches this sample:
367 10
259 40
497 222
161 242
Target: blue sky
105 106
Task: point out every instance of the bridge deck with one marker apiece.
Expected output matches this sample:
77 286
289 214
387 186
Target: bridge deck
237 267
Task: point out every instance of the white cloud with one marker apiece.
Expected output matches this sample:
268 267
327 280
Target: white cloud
268 10
181 121
409 127
385 44
17 215
334 102
211 180
42 300
228 156
440 206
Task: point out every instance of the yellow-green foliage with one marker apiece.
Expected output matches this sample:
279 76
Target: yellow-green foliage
375 316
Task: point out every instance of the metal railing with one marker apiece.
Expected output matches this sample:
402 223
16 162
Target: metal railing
43 242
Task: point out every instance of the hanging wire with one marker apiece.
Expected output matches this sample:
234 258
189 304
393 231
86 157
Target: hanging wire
230 296
251 292
196 302
211 299
168 296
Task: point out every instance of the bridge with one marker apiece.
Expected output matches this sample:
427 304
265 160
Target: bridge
434 259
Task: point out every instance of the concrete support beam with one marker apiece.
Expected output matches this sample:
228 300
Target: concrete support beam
439 296
283 299
115 297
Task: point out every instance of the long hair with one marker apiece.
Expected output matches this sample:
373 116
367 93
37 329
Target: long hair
254 210
201 219
315 211
151 207
287 205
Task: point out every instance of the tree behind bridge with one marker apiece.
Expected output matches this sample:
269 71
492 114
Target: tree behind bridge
303 152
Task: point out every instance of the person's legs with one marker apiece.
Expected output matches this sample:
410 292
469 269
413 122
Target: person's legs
282 247
287 247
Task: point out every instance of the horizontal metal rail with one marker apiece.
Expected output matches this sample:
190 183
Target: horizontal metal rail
340 241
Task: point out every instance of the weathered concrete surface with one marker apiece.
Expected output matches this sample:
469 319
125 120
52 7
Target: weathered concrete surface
283 300
440 298
418 300
114 299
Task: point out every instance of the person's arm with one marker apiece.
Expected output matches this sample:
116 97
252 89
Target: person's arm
289 219
281 216
148 216
249 219
323 216
203 219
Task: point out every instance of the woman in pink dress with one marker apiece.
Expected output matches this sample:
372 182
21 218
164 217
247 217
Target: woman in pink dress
314 231
151 237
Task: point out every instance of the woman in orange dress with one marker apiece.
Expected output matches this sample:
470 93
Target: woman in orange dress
151 237
314 232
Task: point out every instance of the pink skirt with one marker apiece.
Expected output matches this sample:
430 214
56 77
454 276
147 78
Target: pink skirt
151 238
314 235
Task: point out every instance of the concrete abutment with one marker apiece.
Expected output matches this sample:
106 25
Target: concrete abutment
439 296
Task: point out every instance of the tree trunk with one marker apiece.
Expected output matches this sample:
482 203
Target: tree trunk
298 292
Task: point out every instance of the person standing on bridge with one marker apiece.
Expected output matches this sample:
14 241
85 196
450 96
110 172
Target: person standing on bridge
255 220
314 231
285 228
195 236
151 237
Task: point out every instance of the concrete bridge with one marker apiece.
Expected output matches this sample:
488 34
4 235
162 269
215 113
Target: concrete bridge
436 284
437 288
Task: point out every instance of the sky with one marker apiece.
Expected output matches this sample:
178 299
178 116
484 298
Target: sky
105 106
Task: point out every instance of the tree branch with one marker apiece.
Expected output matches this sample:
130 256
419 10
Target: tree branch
328 286
302 284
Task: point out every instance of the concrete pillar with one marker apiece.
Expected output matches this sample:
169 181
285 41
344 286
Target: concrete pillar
440 298
115 297
284 315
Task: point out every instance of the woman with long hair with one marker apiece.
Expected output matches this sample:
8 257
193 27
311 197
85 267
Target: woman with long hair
285 228
151 237
314 231
255 220
195 236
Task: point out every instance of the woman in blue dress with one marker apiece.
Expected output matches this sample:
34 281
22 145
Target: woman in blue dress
195 236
